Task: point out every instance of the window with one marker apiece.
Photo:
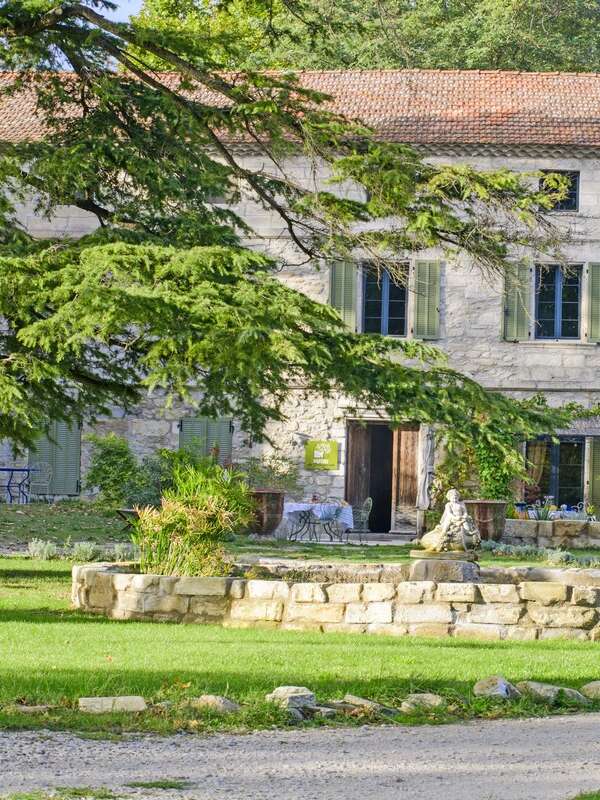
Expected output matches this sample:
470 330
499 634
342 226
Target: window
571 201
384 305
557 301
556 469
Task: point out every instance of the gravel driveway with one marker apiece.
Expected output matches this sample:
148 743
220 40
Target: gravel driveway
543 759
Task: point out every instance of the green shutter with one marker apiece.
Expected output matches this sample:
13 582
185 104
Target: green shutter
61 448
342 290
517 291
594 485
427 299
594 303
202 434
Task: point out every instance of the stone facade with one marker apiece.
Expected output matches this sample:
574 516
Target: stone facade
530 609
471 315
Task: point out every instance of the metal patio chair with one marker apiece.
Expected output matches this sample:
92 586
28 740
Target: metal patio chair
328 522
361 516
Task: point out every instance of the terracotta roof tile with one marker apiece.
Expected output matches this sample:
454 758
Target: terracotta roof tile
428 106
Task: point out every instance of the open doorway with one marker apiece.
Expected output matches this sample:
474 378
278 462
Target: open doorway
382 464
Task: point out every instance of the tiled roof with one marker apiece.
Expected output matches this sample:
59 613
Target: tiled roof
430 106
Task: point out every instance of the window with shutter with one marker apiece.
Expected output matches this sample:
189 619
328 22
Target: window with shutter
203 435
594 303
517 293
342 290
427 299
594 484
61 448
384 304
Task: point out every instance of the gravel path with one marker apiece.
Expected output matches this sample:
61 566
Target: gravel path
543 759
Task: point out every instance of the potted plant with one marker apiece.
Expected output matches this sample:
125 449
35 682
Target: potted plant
270 479
496 477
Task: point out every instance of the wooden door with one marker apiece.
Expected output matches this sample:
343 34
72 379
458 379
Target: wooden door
358 463
405 464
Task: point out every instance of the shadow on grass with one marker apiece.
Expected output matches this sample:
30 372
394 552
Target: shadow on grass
8 574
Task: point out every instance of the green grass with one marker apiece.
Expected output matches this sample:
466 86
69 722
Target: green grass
166 784
362 554
75 520
66 793
54 655
588 796
84 521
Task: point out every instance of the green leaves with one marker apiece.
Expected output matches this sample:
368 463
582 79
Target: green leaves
213 321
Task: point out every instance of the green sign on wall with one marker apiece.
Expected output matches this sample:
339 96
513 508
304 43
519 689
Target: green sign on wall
321 454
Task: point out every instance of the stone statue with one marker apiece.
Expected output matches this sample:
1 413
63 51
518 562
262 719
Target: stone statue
456 530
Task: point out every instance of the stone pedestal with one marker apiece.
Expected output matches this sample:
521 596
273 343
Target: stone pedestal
448 567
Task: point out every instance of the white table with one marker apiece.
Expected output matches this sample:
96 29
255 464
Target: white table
301 513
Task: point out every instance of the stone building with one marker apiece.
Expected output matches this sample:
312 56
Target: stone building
541 336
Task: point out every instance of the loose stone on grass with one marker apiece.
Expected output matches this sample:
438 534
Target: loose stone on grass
40 709
104 705
369 705
215 702
319 711
422 701
292 697
546 692
496 686
591 690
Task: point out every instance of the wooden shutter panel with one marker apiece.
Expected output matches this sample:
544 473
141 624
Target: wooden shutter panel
594 303
61 448
342 291
427 299
219 433
594 490
201 434
517 292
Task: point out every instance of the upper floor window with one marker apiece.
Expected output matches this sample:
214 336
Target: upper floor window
384 305
557 301
571 201
375 302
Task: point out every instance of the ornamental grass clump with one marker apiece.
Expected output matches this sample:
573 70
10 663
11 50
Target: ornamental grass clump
207 504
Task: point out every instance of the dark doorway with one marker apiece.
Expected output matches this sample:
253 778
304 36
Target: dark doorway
369 471
380 478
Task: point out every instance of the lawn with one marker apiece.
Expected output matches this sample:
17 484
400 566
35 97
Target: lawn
75 520
52 654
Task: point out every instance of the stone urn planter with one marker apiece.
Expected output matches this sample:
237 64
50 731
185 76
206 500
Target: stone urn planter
269 511
489 516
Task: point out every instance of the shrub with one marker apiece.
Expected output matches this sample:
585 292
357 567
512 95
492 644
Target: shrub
112 468
42 549
155 475
115 471
124 552
273 472
183 537
85 551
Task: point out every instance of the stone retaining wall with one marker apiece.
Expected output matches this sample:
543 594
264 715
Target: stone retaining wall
527 610
564 533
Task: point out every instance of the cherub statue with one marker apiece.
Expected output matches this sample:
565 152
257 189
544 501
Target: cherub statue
456 530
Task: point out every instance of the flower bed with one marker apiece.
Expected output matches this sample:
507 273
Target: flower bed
550 604
575 534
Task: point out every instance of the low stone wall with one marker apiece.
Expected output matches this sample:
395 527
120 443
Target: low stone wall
564 533
527 610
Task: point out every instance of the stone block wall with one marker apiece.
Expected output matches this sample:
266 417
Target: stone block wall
563 533
524 611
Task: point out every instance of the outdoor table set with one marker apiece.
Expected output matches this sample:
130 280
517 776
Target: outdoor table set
332 518
15 482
